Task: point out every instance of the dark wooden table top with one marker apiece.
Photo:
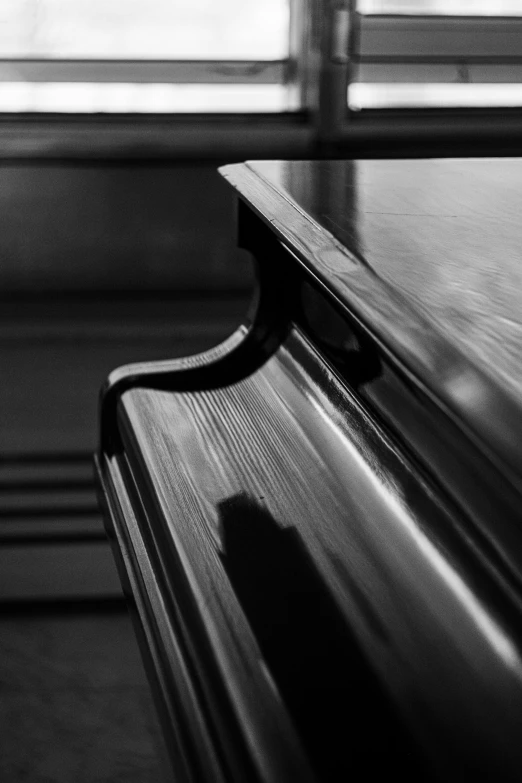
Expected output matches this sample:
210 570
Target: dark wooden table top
427 252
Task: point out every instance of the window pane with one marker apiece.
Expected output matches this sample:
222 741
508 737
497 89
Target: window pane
430 96
420 54
443 7
144 29
83 97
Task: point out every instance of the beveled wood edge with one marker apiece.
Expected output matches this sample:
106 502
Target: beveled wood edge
160 375
186 721
142 594
258 337
414 343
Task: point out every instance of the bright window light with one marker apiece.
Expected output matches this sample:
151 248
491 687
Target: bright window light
75 56
144 29
410 96
442 7
82 97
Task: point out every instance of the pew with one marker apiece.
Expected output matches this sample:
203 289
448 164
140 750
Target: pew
317 523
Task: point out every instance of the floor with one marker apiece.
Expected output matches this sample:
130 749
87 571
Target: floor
75 703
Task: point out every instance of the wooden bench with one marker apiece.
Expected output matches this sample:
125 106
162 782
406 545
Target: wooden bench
318 522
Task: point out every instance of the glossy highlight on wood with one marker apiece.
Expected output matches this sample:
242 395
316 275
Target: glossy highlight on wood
449 312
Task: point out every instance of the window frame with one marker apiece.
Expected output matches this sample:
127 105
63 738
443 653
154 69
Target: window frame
435 49
323 60
144 71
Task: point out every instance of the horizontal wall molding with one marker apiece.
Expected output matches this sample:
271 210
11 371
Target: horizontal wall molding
371 133
234 138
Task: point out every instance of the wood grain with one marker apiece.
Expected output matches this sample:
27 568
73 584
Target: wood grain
287 464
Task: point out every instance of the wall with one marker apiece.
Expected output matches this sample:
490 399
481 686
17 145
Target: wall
105 227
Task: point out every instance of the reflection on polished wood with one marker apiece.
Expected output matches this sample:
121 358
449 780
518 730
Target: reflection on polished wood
427 253
446 234
318 522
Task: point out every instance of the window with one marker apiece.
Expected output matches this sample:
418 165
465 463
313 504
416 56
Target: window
143 55
268 56
437 53
442 7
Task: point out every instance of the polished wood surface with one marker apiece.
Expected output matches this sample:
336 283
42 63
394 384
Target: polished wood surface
427 254
447 234
268 497
319 519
